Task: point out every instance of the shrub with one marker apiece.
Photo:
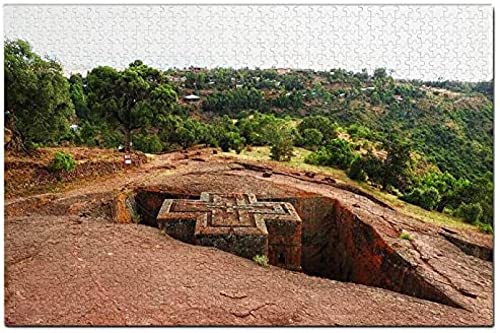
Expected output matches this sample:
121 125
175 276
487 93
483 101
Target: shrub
341 153
485 228
319 157
320 123
373 167
185 137
231 140
394 191
312 137
357 131
396 168
356 171
427 197
281 151
338 153
405 235
62 161
471 213
148 143
448 211
98 135
261 260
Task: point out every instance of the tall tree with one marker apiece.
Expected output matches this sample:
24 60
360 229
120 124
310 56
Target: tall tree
282 143
78 95
130 99
397 163
37 101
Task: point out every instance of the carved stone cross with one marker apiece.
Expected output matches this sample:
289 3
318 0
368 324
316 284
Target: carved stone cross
236 223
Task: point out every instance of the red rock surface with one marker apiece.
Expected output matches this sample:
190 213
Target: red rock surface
67 263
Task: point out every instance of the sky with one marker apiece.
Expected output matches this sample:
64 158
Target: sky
415 42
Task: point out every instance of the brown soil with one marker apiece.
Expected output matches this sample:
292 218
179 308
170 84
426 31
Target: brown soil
67 261
25 174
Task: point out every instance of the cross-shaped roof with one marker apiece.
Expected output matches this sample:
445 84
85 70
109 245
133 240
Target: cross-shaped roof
230 222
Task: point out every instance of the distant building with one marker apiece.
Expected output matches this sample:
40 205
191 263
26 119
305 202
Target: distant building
282 71
191 98
175 79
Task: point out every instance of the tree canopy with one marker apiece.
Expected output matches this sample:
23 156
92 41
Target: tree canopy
131 99
38 106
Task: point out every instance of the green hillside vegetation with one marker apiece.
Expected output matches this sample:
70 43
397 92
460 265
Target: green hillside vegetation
428 143
297 161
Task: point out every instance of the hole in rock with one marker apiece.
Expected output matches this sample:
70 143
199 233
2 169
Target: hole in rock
149 203
335 244
281 259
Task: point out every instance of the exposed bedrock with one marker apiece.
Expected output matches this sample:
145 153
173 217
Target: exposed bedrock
336 244
468 247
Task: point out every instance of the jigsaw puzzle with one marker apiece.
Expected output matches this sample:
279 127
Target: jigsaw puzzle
418 42
248 165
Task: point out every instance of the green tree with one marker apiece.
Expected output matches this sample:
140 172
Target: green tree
282 143
167 130
322 124
379 73
37 100
356 171
147 143
427 197
185 137
341 153
373 167
396 164
231 140
78 95
337 153
232 101
312 138
471 213
357 131
258 129
130 99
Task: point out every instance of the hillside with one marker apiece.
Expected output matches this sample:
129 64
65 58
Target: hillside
429 144
452 128
444 136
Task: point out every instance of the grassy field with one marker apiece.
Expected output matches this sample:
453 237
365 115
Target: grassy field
262 154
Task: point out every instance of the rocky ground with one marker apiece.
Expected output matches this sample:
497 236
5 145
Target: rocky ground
68 261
